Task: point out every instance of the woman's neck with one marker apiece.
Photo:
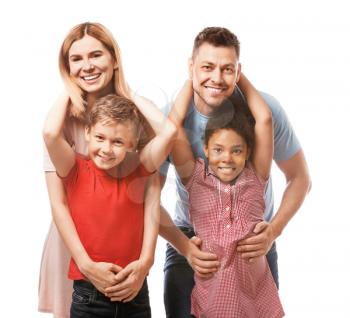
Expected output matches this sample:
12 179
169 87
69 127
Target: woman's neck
91 97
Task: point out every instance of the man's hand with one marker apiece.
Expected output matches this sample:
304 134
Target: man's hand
204 264
101 274
128 282
259 244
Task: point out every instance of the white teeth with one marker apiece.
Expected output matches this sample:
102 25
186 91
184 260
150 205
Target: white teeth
214 90
92 77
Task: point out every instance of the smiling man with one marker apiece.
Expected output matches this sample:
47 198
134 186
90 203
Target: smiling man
215 69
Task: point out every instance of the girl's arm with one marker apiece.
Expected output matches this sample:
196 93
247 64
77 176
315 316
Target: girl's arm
131 278
263 152
61 153
181 152
156 150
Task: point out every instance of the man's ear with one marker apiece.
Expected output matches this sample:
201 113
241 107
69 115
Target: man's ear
239 70
190 68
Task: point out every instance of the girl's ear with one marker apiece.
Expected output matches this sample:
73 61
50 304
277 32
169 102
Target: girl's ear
206 151
248 154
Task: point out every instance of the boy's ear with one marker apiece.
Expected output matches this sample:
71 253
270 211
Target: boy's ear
87 133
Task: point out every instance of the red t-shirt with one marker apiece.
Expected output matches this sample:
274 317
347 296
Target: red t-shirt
108 213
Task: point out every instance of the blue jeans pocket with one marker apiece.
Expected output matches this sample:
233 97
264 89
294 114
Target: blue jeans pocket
81 295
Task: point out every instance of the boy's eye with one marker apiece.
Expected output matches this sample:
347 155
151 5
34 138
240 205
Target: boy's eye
118 143
99 138
217 150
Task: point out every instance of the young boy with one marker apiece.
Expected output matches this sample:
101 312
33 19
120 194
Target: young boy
105 192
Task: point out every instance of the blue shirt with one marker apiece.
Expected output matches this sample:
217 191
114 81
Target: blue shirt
286 145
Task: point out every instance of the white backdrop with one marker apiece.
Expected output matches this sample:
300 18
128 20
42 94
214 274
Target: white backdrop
296 51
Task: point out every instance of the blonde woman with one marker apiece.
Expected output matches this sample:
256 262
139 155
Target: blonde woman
90 65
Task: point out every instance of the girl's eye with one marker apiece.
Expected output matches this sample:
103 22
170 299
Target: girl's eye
217 150
237 151
99 138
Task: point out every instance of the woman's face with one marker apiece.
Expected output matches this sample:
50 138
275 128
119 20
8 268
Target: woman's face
91 66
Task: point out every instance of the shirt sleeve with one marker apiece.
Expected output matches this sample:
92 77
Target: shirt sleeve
286 143
198 170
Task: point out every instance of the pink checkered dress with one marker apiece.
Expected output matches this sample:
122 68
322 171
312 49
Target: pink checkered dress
223 214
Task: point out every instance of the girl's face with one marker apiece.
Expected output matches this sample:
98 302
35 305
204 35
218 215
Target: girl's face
227 153
108 144
91 66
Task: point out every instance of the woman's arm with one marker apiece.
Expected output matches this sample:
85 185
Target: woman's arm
61 153
157 149
181 152
263 152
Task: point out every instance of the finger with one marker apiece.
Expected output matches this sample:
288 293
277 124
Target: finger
205 276
260 227
257 253
208 264
249 248
117 288
115 268
196 241
122 275
256 239
130 297
120 294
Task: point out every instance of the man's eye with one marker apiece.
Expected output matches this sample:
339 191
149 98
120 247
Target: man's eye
206 67
229 70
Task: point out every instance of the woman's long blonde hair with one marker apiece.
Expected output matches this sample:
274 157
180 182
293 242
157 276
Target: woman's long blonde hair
99 32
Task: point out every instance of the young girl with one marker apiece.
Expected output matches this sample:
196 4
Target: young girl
105 201
226 196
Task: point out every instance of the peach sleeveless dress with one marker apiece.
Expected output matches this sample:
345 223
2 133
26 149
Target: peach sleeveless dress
55 289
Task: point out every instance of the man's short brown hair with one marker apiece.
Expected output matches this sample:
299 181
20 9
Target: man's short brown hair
216 36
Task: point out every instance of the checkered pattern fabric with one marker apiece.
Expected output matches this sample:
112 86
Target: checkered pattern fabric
222 214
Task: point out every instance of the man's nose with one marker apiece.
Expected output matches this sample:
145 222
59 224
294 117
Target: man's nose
216 76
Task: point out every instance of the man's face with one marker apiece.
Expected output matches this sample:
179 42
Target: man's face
214 71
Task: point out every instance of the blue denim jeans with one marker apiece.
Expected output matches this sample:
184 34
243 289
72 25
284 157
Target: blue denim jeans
179 282
88 302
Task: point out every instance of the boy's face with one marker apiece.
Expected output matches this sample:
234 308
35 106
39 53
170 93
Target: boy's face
215 72
227 153
108 143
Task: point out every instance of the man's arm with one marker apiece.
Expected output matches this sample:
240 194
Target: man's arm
203 263
298 185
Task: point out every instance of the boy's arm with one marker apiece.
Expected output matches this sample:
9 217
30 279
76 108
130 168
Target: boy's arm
181 152
61 153
100 274
263 150
131 278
